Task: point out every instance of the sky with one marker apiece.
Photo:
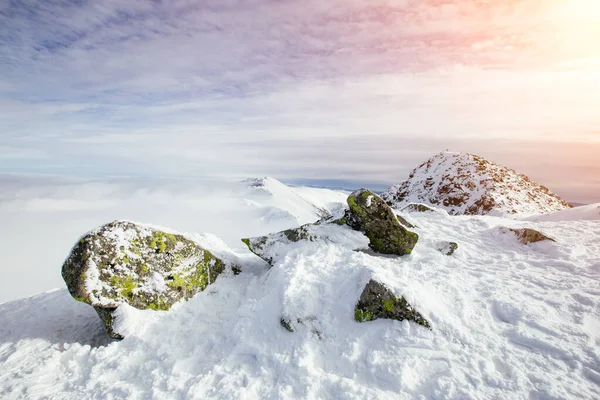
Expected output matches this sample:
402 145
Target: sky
309 91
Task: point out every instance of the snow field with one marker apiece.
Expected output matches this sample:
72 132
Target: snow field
508 321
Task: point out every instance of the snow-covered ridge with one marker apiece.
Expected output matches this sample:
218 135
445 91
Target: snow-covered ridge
463 183
533 336
284 202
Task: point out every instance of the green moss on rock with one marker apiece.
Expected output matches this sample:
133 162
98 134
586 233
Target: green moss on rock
377 301
121 262
369 214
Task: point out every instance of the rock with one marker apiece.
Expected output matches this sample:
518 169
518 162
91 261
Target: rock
367 216
448 248
466 184
123 262
417 208
371 215
276 245
377 301
286 323
527 235
404 222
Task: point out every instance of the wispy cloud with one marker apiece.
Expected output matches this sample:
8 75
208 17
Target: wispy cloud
179 88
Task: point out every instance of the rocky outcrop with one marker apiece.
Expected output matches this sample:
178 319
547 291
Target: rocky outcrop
527 235
123 262
377 301
371 215
462 183
368 217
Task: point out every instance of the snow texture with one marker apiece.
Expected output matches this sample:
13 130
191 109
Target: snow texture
590 212
508 321
462 183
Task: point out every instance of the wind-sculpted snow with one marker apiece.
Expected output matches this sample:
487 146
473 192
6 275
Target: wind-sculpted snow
590 212
508 321
463 183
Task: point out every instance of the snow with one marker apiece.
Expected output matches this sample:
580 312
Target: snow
508 321
462 183
38 240
590 212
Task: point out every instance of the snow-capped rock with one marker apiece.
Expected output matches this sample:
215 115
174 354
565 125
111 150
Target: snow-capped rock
127 263
374 225
369 214
528 235
463 183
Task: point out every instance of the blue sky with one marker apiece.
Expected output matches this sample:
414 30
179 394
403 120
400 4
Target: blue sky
302 90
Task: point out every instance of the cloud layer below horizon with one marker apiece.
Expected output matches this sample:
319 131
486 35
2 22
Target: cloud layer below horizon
301 90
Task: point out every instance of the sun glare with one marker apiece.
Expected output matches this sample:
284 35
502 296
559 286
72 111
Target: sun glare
581 9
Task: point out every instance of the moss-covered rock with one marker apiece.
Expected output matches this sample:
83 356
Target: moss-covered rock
123 262
527 235
369 214
377 301
373 225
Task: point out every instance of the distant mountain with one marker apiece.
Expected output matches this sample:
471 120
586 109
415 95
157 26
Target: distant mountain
463 183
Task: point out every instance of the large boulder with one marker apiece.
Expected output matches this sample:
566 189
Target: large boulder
123 262
371 215
377 301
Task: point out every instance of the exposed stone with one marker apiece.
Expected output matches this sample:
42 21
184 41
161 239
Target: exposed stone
465 184
368 214
377 301
527 235
417 208
448 248
371 215
123 262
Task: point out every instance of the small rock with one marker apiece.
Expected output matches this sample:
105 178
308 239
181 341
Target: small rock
448 248
527 235
377 301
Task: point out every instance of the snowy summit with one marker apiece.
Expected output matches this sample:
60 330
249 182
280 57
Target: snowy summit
463 183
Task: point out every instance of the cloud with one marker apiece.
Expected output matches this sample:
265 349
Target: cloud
295 89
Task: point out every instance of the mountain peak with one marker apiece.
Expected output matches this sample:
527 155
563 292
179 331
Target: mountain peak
464 183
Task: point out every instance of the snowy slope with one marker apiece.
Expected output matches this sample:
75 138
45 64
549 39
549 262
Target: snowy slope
590 212
463 183
49 218
280 202
508 321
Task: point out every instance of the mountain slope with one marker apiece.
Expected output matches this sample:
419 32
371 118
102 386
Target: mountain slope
52 216
589 212
464 183
534 336
280 201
